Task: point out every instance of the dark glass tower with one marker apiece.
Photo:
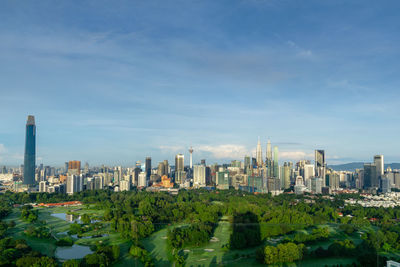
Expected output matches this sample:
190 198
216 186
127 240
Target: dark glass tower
30 151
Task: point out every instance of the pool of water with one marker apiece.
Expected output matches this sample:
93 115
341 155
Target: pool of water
67 217
74 252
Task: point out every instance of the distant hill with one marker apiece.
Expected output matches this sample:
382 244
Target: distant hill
358 165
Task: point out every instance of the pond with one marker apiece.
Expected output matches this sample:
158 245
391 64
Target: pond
66 217
74 252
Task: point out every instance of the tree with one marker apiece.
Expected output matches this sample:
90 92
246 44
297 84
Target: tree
85 219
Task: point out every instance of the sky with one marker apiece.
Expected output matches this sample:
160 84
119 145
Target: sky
111 82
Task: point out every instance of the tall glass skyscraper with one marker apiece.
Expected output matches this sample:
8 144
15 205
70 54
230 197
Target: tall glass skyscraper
30 151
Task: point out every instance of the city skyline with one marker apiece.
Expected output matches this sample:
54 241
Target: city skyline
116 84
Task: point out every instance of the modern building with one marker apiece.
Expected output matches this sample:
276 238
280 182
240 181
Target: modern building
199 175
43 186
179 168
148 167
370 176
143 182
74 167
30 151
124 185
320 165
379 163
74 184
259 154
222 179
276 163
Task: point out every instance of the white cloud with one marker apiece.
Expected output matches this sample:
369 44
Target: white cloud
227 151
295 155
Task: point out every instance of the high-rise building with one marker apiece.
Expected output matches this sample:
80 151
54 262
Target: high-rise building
199 175
74 167
320 165
74 184
276 163
143 182
370 176
179 162
259 154
378 161
247 164
286 175
148 167
30 151
268 160
43 186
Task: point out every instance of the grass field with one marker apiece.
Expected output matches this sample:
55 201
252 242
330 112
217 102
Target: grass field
156 244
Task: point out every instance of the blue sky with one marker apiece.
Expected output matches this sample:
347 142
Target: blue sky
114 81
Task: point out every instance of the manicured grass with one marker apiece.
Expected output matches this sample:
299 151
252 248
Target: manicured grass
156 245
325 261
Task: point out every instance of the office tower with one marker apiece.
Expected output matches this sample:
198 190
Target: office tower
316 185
74 184
199 175
30 151
203 162
247 164
320 165
259 154
308 171
276 163
191 158
268 159
125 185
160 169
378 161
43 186
179 162
166 167
386 185
222 178
286 175
142 180
148 167
98 182
74 167
370 176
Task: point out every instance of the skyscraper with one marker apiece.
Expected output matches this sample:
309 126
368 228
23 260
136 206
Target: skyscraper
179 162
30 151
148 167
370 176
179 169
320 166
259 154
268 160
378 160
199 175
276 164
74 167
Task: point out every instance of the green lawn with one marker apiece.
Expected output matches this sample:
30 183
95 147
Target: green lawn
156 244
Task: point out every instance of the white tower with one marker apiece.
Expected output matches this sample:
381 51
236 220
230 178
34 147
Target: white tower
191 157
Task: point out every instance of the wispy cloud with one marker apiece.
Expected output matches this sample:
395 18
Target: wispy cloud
295 155
226 151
